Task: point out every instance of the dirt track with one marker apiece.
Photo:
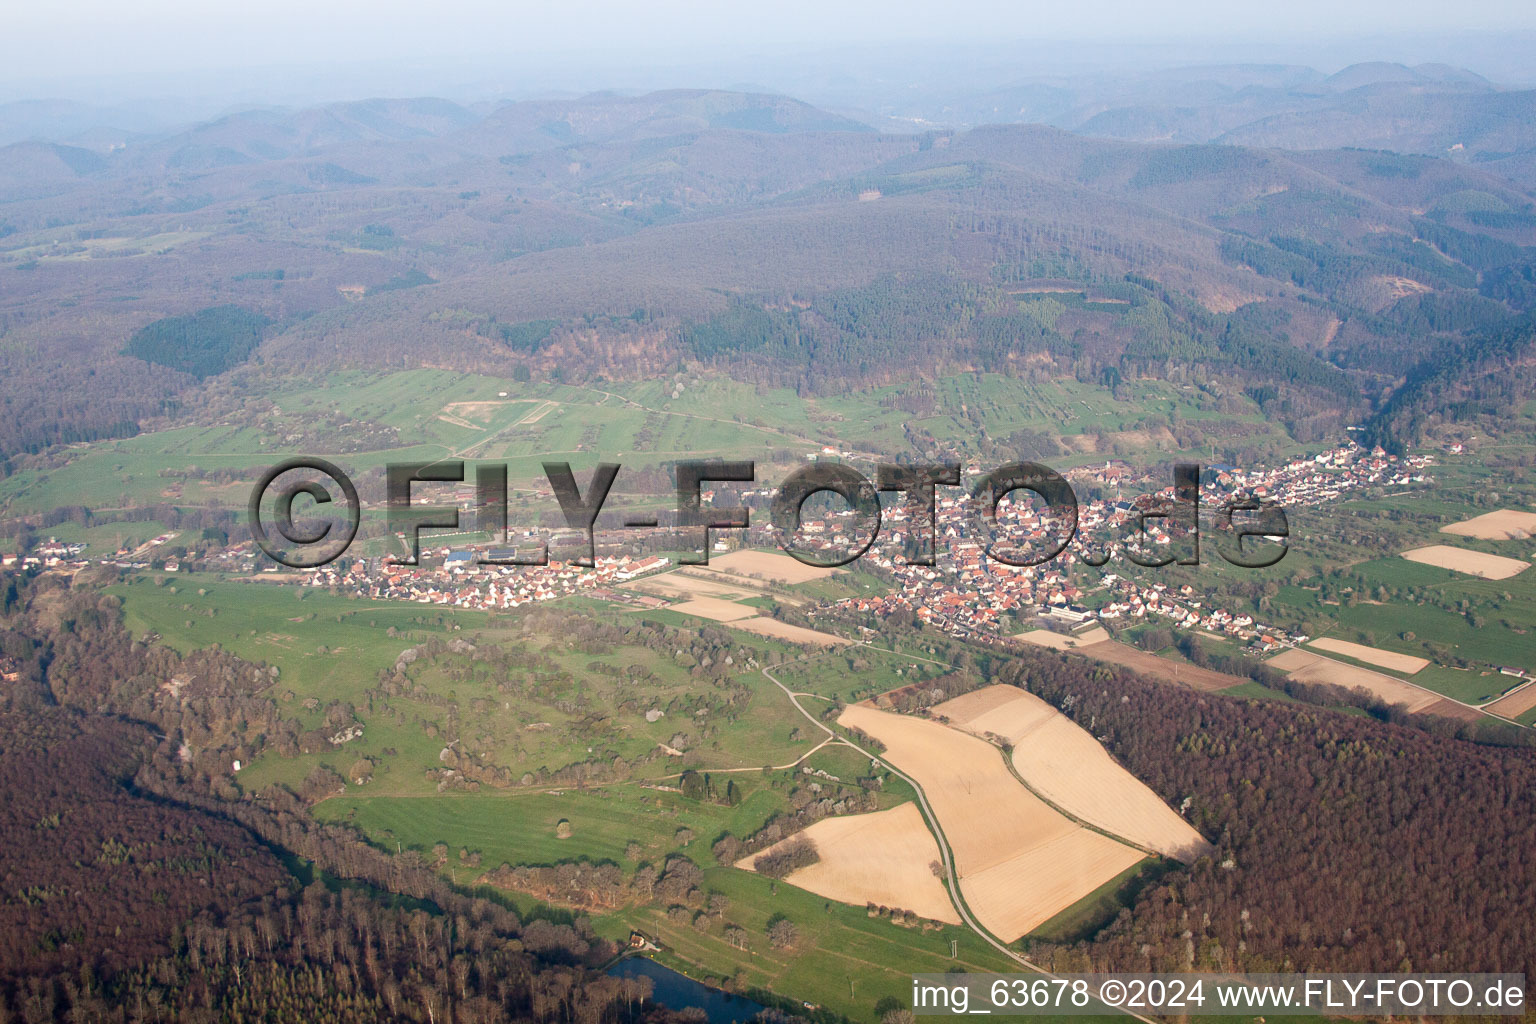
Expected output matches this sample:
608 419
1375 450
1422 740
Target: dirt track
1064 763
1019 860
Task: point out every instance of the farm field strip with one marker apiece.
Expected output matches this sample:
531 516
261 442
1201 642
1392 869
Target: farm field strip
746 586
1061 641
1513 705
1445 707
674 584
1306 667
1504 524
995 826
714 608
881 858
770 565
758 587
1407 664
776 630
1474 563
1025 891
1064 763
1166 669
718 602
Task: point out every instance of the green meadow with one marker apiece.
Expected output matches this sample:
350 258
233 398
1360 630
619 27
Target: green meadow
436 414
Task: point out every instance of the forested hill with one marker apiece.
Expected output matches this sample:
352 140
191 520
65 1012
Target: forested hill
137 885
1485 378
622 236
105 876
1307 280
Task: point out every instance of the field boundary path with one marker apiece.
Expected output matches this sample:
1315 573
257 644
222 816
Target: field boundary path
956 897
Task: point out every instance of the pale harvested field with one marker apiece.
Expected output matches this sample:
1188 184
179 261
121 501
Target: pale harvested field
1061 641
1474 563
1027 861
1019 895
986 813
674 584
770 565
1045 638
714 608
1165 669
1505 524
762 625
994 711
710 600
1517 703
1064 763
881 858
743 585
1307 667
1405 663
709 574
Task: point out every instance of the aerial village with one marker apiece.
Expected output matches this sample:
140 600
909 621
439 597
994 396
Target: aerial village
965 592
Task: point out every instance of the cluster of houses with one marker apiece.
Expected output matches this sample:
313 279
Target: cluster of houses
967 594
461 580
46 556
1324 477
1183 609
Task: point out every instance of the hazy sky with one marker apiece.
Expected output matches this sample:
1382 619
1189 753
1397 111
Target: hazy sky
107 39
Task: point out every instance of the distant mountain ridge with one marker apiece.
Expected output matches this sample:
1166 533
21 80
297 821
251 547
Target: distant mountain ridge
1427 108
764 235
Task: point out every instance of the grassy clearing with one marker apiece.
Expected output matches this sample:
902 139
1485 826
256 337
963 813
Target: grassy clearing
843 960
856 673
324 646
1256 691
852 582
440 414
1471 686
518 827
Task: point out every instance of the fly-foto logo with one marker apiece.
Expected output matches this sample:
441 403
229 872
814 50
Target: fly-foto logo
1178 517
